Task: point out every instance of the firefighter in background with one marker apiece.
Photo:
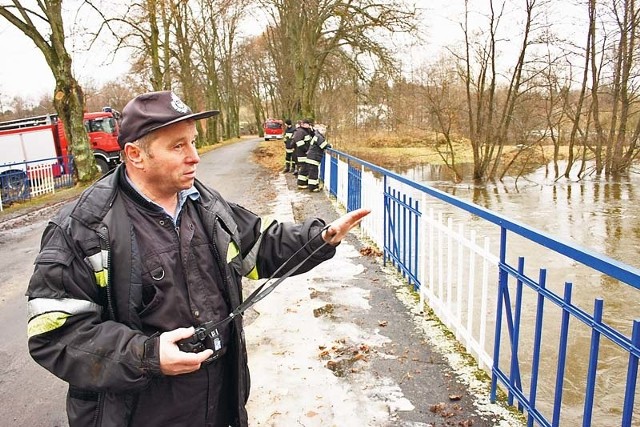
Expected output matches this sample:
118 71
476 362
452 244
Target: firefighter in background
315 153
295 156
289 148
302 139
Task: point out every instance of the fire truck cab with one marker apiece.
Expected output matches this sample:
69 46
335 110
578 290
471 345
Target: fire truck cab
273 129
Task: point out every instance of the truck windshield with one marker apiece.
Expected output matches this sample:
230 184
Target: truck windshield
106 125
274 125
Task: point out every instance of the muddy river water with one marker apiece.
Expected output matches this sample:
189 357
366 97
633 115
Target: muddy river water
595 213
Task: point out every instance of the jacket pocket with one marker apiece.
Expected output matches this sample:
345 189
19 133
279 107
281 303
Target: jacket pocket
151 294
82 407
51 273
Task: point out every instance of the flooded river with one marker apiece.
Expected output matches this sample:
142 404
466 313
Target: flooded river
595 213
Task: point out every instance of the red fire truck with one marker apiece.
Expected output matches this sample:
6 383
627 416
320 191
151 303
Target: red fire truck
102 128
41 139
273 129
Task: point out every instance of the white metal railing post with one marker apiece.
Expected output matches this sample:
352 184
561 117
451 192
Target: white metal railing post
440 255
470 291
460 280
431 251
450 237
483 302
422 235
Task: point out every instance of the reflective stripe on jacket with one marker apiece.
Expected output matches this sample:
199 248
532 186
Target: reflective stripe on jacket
301 140
316 149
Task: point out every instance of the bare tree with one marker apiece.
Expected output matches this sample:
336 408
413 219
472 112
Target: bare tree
216 40
304 37
145 28
68 97
491 108
444 112
622 149
255 77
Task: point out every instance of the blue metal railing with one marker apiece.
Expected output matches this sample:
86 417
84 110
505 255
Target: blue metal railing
16 180
424 250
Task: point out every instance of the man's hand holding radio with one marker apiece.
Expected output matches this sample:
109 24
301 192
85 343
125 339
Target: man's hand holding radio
176 362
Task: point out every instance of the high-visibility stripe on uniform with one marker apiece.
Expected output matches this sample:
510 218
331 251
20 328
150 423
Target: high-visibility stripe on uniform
315 141
99 262
232 251
249 268
289 150
301 142
48 314
312 162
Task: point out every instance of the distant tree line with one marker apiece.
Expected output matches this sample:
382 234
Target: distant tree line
514 79
576 89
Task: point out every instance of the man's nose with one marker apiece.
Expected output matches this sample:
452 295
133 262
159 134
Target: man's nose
193 156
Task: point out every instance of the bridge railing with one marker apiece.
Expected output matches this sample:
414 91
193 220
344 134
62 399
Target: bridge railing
24 180
561 358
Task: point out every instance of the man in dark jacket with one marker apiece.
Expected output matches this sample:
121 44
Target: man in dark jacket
145 255
302 139
315 153
289 148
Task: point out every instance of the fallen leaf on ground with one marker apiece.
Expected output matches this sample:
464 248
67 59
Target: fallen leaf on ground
370 251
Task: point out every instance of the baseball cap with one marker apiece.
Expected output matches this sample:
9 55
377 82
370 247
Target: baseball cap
152 111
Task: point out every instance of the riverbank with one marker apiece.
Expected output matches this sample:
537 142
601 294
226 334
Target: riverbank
399 153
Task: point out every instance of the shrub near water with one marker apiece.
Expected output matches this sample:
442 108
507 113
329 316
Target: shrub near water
403 151
384 149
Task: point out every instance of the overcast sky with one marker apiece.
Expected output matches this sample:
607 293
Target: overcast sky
24 71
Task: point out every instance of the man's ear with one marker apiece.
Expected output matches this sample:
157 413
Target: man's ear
134 155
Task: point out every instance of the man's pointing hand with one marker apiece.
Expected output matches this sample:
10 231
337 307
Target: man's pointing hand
341 226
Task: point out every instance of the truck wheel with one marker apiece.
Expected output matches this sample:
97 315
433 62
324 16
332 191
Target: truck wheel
102 165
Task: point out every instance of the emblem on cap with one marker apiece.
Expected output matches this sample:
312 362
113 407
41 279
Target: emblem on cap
178 105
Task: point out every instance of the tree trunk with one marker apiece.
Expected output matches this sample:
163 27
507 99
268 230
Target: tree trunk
68 96
69 103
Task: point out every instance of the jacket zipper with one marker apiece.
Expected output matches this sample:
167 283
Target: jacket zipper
104 239
221 265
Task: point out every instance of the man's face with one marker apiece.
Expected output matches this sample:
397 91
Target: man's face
171 159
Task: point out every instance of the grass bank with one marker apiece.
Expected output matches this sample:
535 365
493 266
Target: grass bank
401 152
